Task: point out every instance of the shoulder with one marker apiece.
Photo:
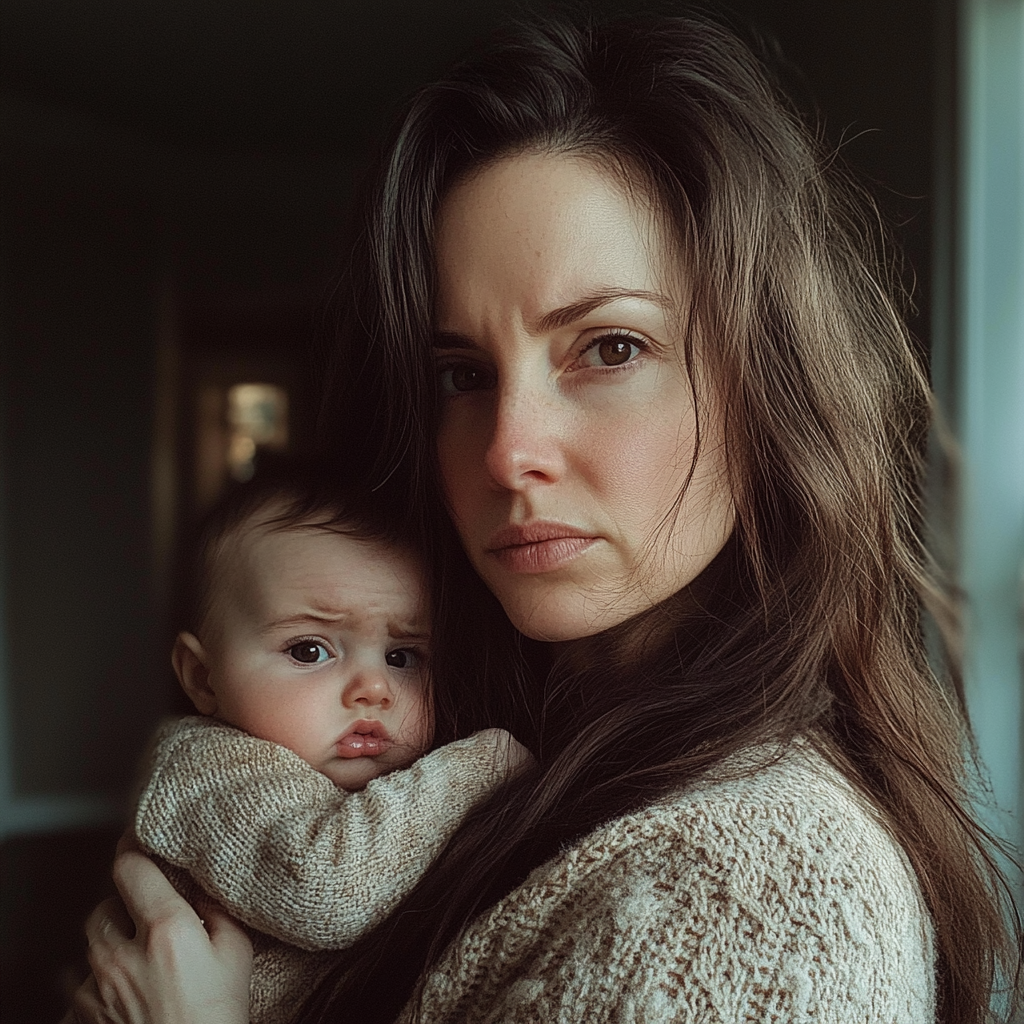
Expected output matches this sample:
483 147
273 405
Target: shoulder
767 815
769 890
194 737
200 748
763 817
777 869
785 841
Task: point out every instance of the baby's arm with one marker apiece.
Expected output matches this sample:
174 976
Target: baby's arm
289 853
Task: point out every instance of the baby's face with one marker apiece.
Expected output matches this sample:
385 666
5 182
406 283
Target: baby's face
318 642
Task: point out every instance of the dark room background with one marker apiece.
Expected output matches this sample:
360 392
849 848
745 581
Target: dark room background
176 178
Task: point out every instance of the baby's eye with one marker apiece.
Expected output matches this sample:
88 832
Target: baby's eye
611 350
403 657
309 652
457 378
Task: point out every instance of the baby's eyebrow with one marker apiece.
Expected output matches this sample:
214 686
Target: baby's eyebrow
296 620
405 632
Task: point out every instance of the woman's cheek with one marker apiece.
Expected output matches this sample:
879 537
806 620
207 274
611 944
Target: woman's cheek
640 448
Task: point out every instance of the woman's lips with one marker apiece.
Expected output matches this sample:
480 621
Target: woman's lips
364 739
539 547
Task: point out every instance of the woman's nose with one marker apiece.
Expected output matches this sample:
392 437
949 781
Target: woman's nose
369 688
526 444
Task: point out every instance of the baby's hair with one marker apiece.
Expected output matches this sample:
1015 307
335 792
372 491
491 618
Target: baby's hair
292 495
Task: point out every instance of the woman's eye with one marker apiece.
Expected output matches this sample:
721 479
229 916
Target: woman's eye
309 652
403 657
611 350
461 377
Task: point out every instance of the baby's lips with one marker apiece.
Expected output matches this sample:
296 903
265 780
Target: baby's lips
364 739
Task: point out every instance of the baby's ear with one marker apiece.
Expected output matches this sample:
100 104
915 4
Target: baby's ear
191 665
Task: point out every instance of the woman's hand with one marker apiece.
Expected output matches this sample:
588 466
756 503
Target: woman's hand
154 961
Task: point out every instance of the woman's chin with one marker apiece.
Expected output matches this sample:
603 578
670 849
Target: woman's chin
560 617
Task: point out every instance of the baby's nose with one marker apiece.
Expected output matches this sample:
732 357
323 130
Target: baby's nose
369 688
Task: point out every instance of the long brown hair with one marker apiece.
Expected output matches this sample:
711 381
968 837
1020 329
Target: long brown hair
810 621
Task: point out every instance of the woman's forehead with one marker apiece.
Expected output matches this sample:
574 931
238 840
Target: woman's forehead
530 190
546 230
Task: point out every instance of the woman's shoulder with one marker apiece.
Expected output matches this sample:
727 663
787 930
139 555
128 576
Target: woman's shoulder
769 811
769 889
774 837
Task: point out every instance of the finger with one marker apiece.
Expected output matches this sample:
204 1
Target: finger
87 1007
109 924
226 935
109 931
148 896
128 841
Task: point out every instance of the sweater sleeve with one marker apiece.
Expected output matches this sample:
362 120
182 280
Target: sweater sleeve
286 851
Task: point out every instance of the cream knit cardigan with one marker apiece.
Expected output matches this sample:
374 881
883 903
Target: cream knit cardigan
769 892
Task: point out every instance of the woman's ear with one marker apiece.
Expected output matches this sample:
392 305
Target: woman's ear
191 666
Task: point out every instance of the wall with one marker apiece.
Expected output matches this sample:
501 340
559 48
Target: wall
78 323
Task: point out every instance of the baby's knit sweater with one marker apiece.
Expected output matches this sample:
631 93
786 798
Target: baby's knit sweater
309 867
770 892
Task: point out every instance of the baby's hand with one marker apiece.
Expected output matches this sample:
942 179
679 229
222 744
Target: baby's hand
510 756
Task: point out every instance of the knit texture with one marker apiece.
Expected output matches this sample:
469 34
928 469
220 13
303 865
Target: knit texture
307 866
775 896
769 892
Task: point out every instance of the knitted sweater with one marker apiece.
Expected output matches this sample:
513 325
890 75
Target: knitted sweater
768 893
307 866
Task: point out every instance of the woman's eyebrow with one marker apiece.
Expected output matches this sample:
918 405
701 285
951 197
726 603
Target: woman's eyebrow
452 339
565 315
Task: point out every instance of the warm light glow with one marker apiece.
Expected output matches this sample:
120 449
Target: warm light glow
257 418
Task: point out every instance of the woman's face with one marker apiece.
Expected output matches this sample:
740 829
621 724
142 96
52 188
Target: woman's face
569 423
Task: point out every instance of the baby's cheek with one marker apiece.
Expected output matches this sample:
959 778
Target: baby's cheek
287 722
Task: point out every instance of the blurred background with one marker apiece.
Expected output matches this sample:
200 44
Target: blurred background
176 179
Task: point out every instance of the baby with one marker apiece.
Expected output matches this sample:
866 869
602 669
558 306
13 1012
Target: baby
304 801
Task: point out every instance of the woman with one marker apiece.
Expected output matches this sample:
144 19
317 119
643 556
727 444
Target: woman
678 430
